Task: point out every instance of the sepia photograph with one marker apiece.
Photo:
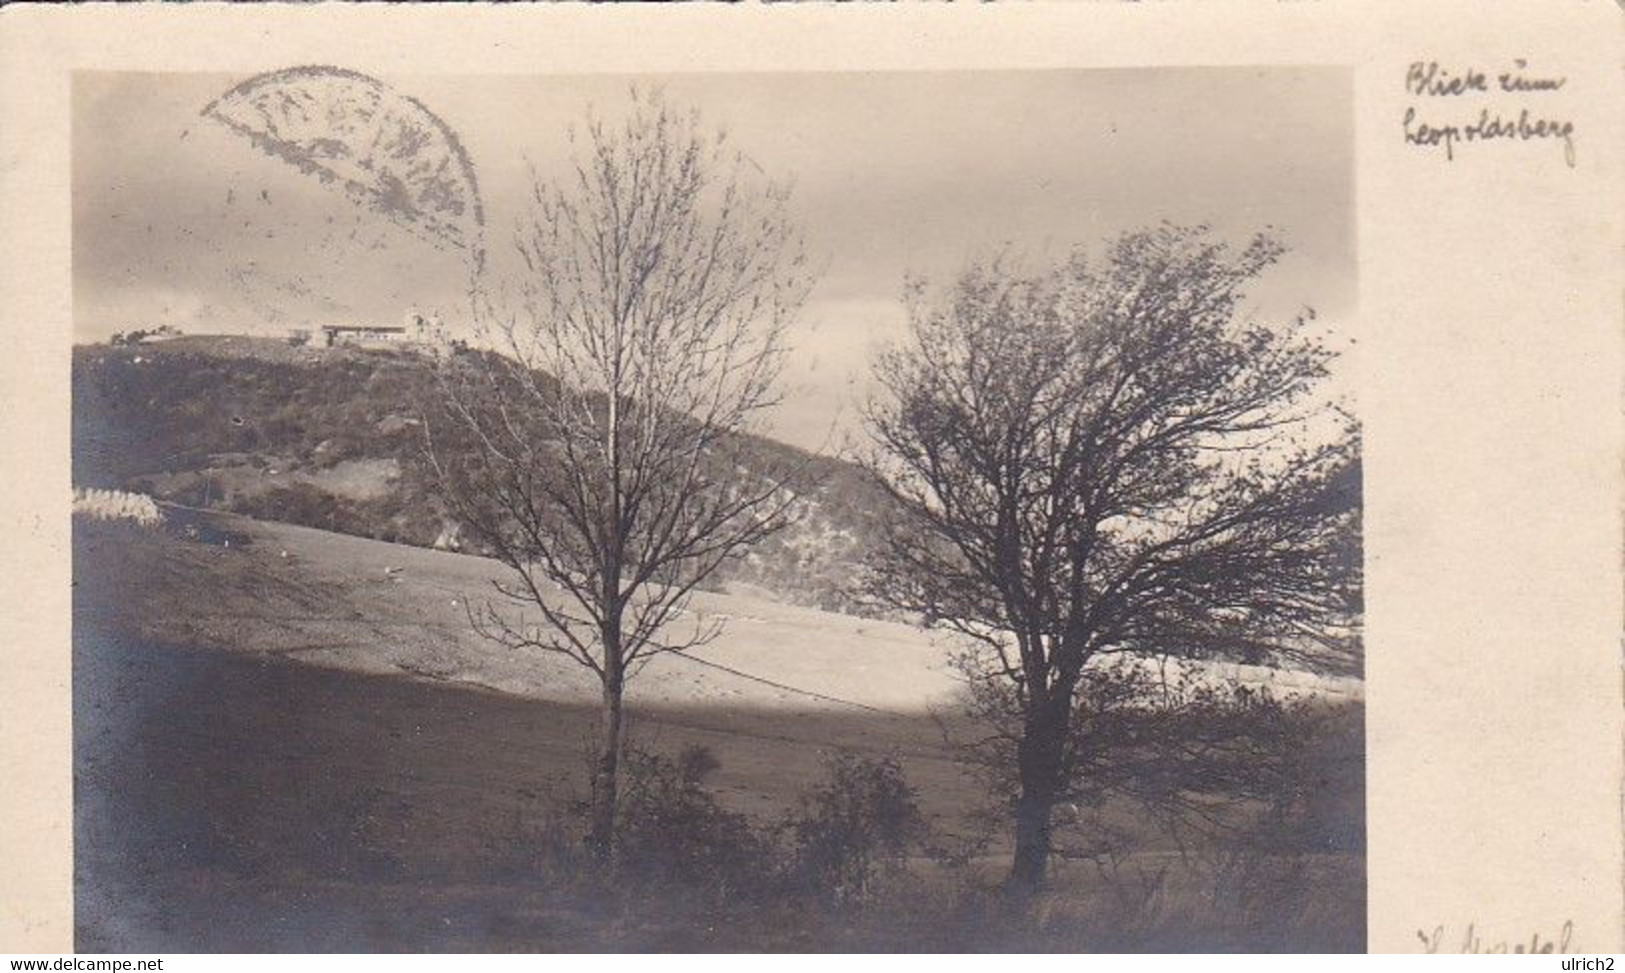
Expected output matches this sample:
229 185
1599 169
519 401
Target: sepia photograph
909 511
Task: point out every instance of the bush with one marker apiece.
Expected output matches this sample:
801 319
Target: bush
853 829
672 831
676 842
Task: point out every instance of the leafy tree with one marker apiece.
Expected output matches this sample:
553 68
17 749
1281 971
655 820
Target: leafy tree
1105 459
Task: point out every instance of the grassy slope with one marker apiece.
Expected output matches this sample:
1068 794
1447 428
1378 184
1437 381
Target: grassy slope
233 795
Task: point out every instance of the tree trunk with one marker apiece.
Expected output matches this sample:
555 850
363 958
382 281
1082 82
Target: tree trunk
607 775
1039 764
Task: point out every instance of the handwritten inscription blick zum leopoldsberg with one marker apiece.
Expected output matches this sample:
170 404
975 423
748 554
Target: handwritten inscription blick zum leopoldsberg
1460 108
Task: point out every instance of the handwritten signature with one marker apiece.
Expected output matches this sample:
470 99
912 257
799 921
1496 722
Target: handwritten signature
1472 942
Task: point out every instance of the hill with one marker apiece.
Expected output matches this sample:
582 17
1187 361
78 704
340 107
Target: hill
332 438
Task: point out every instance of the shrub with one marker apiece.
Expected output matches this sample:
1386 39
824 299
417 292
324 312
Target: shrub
853 829
676 842
672 831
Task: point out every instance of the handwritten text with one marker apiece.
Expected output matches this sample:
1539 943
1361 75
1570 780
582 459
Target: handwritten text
1450 129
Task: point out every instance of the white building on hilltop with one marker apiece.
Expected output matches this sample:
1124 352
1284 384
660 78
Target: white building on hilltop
364 335
419 329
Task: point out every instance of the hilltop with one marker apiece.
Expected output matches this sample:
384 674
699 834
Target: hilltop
331 438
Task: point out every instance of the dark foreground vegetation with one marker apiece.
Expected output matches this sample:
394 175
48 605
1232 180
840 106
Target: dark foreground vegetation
230 801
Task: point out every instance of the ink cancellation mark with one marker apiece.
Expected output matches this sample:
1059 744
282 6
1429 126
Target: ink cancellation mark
1462 108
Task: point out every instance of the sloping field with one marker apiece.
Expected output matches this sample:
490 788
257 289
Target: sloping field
287 739
345 602
231 601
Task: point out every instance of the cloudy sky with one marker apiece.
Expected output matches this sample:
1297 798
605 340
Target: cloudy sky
178 220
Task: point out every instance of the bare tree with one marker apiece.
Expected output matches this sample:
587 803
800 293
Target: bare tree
593 435
1107 459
